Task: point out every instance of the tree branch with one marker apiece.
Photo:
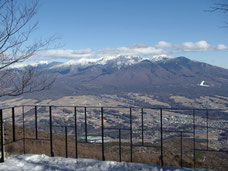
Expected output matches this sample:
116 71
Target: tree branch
15 32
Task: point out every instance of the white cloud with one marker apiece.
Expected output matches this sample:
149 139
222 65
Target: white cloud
143 50
201 46
188 45
221 47
21 65
135 50
164 44
60 53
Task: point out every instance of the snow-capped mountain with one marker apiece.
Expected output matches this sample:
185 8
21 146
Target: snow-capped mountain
157 58
115 61
118 61
159 74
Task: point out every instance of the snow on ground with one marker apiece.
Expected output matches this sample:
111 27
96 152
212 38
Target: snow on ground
30 162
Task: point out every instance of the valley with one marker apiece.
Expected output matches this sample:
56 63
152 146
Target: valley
116 114
163 87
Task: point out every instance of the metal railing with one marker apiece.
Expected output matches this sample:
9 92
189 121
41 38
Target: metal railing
140 117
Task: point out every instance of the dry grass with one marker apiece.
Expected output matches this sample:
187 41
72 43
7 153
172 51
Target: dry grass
88 150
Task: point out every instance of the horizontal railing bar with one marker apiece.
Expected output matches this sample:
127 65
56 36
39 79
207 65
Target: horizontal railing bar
39 139
140 129
83 142
118 128
80 106
10 107
166 130
223 151
126 107
17 140
140 145
63 126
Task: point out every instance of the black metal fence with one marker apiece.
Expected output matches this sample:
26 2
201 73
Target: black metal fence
143 127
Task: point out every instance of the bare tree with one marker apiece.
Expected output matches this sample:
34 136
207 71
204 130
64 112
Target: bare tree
16 46
219 7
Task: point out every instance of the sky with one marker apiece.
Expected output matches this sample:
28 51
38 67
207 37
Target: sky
97 28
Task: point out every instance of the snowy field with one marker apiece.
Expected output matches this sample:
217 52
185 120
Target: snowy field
30 162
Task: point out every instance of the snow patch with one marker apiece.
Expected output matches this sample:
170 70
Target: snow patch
156 58
33 162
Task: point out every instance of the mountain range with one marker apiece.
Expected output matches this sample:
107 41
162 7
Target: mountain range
160 75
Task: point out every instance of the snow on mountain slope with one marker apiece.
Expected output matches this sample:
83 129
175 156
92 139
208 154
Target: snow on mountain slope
157 58
117 61
33 162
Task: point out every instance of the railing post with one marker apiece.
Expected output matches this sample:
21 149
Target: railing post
36 130
142 126
120 145
51 138
194 140
181 135
2 136
13 124
131 134
161 129
85 126
102 132
66 142
76 132
207 129
23 117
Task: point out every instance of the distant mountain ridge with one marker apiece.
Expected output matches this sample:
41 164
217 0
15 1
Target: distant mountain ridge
114 61
118 61
158 75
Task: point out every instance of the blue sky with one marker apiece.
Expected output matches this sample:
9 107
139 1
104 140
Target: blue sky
94 28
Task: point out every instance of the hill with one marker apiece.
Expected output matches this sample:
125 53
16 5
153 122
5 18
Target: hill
160 76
